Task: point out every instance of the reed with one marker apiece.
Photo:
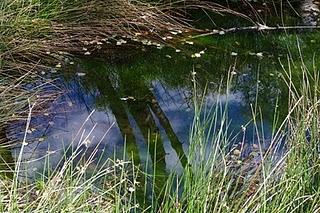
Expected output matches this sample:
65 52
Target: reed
284 179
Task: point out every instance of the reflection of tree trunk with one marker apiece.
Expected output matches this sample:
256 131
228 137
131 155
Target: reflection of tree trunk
144 119
150 132
118 110
141 111
116 106
164 121
6 160
150 100
142 115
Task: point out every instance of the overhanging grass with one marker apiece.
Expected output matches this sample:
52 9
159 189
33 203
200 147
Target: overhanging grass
36 34
31 28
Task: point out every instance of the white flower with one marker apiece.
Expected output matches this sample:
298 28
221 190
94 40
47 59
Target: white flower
197 55
131 189
87 142
260 55
81 74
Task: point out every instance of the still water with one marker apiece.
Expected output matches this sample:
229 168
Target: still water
148 98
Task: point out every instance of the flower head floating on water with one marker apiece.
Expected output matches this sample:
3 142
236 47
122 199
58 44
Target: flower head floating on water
81 74
131 189
234 54
196 55
260 55
189 42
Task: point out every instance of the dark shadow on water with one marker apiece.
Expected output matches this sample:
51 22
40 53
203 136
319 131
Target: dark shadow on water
6 160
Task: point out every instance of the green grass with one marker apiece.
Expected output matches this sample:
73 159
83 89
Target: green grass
215 181
289 184
111 187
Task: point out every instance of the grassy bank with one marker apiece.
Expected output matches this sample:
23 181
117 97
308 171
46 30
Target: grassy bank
37 32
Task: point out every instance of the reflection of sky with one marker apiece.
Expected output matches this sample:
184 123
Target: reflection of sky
178 108
73 119
180 111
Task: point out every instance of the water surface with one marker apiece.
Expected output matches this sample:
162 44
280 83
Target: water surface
144 105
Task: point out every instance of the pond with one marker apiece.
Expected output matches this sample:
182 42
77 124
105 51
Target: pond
148 97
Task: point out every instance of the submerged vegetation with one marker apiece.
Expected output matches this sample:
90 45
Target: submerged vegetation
215 172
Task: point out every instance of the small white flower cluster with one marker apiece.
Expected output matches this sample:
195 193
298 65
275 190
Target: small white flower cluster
198 55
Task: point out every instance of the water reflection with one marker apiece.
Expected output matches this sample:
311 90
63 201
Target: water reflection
145 106
6 163
148 119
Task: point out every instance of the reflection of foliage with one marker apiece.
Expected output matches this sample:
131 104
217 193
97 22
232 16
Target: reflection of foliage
254 58
140 106
6 163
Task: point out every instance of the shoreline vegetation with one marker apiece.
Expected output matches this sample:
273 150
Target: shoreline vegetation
41 35
37 36
36 30
219 181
